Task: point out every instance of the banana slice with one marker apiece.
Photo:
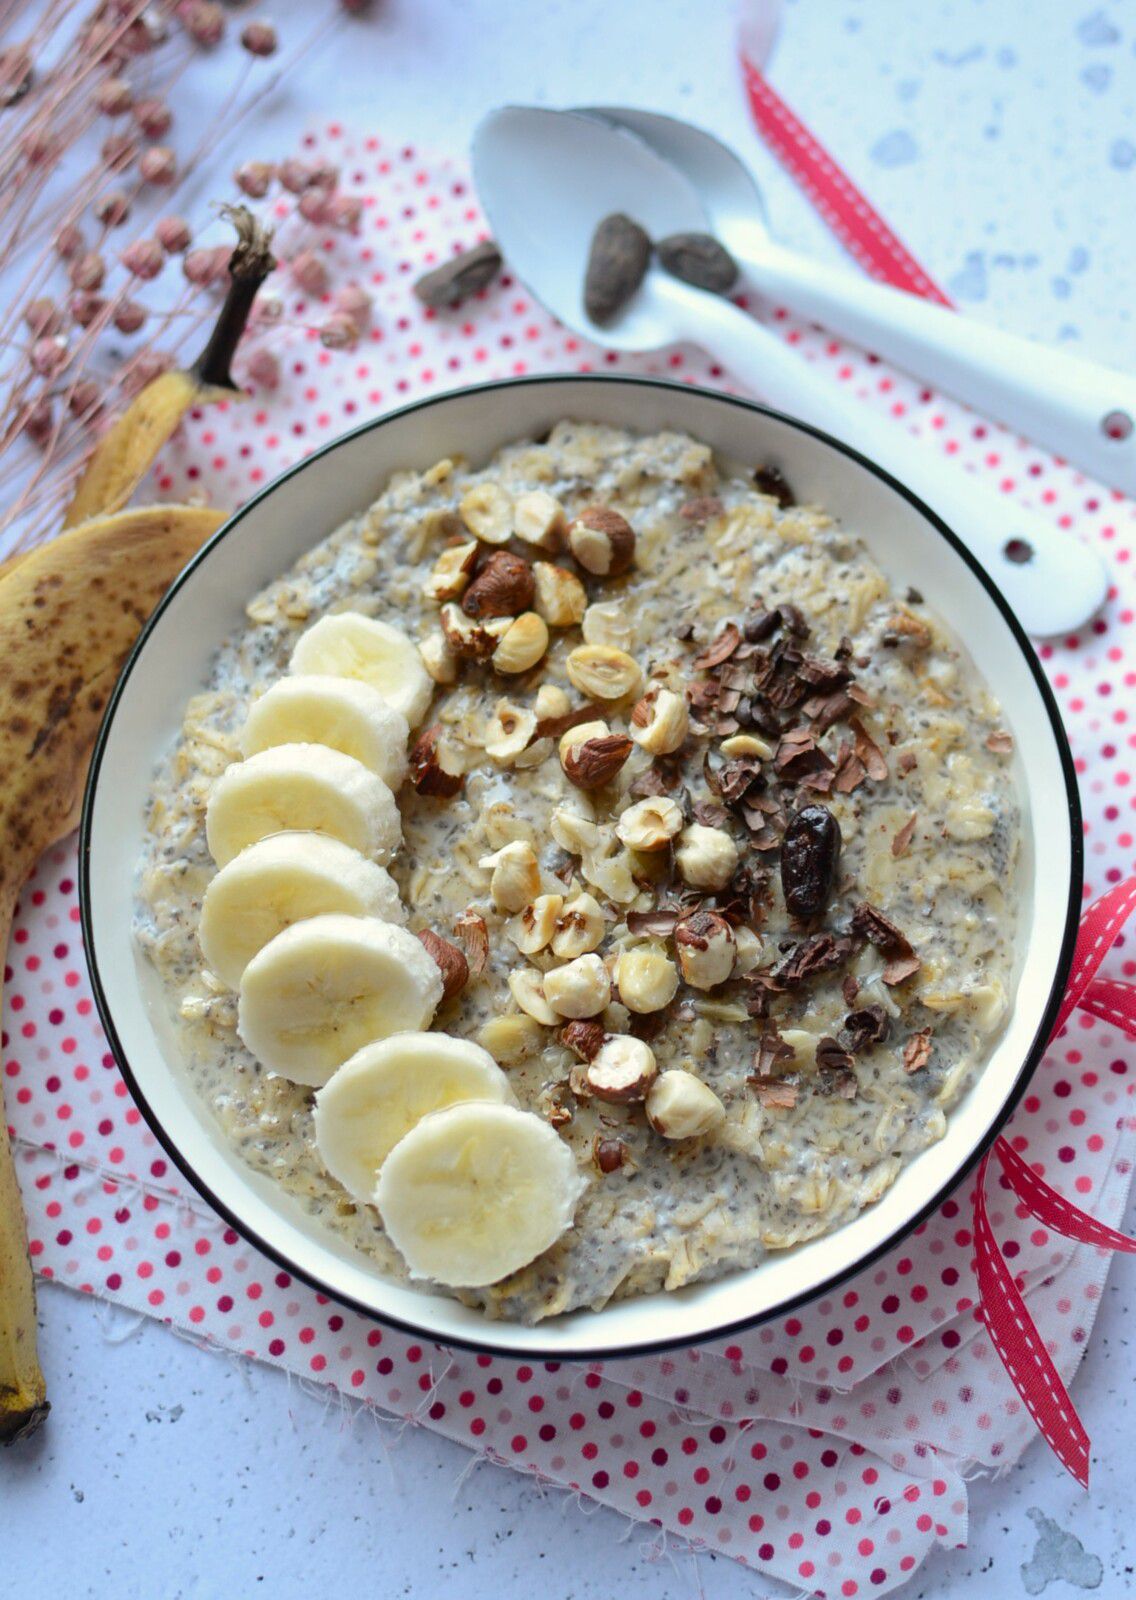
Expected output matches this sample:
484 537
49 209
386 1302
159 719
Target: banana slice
475 1192
280 880
350 645
340 712
386 1089
324 988
301 788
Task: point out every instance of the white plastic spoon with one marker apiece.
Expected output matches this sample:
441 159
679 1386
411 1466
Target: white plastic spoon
547 178
1083 411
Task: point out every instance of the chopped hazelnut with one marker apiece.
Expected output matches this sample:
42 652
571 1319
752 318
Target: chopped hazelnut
602 541
607 622
746 744
646 979
503 588
438 659
622 1070
536 923
560 597
515 875
487 511
433 769
526 986
451 572
522 646
681 1106
705 945
449 960
538 518
551 701
583 1038
660 722
465 637
580 927
511 1038
602 672
579 989
650 824
509 730
591 754
706 858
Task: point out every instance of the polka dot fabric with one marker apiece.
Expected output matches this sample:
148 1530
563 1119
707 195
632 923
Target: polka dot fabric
831 1449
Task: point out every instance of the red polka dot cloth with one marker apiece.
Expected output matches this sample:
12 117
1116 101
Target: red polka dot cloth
833 1449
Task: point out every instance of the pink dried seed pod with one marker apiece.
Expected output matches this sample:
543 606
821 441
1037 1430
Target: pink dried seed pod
114 97
158 165
296 175
38 147
309 272
203 21
324 175
339 333
112 209
199 267
43 317
130 316
49 355
84 400
68 241
88 271
263 369
354 302
16 76
174 234
154 117
85 308
312 206
143 259
259 38
39 423
346 211
254 178
119 150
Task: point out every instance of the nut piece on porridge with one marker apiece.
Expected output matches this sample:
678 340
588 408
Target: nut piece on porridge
538 519
681 1106
706 858
537 923
452 572
487 511
580 927
515 875
660 722
602 672
503 588
522 645
591 754
621 1071
579 989
705 946
650 824
560 596
646 979
433 765
602 541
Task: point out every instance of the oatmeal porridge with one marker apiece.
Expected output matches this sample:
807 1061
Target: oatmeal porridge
652 860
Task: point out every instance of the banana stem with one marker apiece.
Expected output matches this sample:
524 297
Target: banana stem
249 265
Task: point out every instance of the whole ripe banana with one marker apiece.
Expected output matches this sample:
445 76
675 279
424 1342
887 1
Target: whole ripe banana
70 611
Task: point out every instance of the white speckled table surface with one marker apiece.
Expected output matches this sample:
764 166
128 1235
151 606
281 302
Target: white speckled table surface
1000 140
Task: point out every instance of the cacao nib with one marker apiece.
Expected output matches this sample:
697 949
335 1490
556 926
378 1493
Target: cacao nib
810 957
772 481
871 924
867 1026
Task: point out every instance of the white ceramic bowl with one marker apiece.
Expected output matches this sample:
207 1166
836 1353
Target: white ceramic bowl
263 540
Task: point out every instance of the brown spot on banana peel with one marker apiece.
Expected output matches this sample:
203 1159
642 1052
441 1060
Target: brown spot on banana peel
127 450
61 661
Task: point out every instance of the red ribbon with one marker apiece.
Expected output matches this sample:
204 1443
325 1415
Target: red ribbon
1015 1337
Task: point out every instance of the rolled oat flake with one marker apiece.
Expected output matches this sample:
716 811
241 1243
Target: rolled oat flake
617 265
699 259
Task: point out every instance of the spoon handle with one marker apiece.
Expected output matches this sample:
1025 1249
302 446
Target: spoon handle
1084 412
1059 584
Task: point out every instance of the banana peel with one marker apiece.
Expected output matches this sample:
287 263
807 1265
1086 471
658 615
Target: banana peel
70 611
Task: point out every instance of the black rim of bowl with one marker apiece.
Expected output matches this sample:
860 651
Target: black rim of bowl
538 1352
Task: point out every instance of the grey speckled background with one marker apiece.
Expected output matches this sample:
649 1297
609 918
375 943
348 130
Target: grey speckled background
999 137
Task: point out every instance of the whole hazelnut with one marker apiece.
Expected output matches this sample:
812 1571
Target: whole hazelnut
602 541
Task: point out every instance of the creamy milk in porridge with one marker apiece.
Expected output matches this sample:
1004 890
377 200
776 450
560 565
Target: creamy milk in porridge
735 849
